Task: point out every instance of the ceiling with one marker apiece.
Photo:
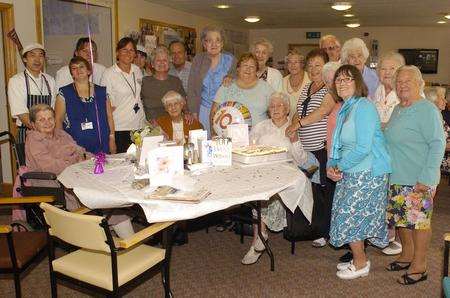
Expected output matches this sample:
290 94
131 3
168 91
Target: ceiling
316 13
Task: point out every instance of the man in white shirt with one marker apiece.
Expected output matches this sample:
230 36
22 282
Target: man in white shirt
82 49
180 66
28 88
332 46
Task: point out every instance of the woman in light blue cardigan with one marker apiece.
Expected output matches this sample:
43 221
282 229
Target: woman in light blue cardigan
360 163
416 143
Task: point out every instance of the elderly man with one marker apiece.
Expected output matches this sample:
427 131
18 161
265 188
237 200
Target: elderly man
180 66
332 46
156 86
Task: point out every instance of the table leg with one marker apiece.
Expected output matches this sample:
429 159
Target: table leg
264 241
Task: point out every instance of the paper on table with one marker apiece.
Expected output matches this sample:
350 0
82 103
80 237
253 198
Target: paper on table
164 163
148 144
238 133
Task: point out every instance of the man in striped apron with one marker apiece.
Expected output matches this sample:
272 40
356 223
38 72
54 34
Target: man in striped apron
27 89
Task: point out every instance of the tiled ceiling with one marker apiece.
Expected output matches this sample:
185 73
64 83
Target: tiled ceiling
316 13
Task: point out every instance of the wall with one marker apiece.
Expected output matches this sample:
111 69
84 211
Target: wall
389 38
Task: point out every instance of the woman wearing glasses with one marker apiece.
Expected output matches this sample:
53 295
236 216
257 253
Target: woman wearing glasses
208 70
360 164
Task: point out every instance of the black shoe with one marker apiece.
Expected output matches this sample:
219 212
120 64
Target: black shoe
346 258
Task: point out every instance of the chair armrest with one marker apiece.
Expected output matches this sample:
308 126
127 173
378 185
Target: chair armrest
447 237
39 175
81 210
143 234
5 229
27 200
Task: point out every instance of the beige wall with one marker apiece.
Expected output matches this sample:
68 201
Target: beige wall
389 38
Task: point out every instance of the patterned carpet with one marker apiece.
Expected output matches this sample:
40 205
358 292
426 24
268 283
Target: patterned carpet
209 266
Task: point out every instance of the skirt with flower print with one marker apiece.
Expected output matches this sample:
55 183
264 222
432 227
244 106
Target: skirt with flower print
359 209
409 209
273 214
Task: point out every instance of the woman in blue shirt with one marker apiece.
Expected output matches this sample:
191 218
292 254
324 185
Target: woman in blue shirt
416 143
360 163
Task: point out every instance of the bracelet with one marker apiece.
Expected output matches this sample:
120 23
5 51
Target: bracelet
112 135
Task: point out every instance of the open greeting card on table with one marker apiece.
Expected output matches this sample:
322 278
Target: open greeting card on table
164 163
168 193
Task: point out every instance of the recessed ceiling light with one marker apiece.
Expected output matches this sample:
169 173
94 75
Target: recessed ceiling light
447 16
341 6
353 25
441 22
252 19
349 15
223 6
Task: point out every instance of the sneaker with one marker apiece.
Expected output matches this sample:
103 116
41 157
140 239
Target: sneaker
321 242
259 245
394 248
352 273
344 265
251 257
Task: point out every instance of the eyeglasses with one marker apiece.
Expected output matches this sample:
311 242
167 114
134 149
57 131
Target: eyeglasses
333 48
345 80
210 41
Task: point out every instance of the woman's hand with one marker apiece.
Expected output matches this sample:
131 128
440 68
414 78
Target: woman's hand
294 137
112 145
189 117
334 174
291 130
227 81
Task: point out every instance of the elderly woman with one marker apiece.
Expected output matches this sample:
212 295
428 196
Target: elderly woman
355 52
247 89
208 70
84 110
296 80
263 50
332 46
416 143
360 164
385 97
271 132
156 86
173 123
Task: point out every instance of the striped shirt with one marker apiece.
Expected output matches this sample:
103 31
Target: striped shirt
312 136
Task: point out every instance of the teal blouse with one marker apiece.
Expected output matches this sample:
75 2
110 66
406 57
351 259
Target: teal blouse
416 143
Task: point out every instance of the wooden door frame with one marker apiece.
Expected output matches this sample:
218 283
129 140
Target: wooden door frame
10 65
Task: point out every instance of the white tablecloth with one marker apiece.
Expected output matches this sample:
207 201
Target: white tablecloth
229 186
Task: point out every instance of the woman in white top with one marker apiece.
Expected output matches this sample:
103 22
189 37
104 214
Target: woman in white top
271 132
263 49
385 96
296 80
123 85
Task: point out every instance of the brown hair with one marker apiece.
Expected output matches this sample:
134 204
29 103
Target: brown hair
317 53
245 57
39 108
79 60
124 42
353 72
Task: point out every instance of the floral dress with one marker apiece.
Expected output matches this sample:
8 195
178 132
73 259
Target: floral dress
445 166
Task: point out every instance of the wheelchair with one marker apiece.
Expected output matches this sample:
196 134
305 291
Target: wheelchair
34 218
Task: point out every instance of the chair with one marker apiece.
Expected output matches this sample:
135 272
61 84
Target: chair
22 248
446 280
103 264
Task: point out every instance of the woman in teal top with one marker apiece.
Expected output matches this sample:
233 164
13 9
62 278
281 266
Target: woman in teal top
416 143
360 164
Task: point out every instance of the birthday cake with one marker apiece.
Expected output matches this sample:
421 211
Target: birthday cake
259 154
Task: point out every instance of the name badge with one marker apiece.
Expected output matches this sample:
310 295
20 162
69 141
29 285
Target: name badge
87 125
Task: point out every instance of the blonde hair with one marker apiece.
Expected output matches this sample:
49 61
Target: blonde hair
295 52
264 42
417 75
34 110
397 57
353 44
160 49
326 37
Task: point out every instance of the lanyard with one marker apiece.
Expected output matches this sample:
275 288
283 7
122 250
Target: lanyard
34 82
86 109
129 85
87 99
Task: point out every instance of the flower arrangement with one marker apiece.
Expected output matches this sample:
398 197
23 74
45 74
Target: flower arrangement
149 130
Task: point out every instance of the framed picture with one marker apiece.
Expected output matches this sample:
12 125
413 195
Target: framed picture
425 59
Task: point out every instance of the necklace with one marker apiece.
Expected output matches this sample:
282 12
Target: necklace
292 88
89 98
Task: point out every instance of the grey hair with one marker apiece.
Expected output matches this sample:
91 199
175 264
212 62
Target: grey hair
432 93
34 110
264 42
172 95
160 49
212 28
353 44
295 52
397 57
329 67
417 74
283 96
328 36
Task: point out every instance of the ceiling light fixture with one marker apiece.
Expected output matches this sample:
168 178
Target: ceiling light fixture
441 22
349 15
447 16
353 25
252 19
222 6
341 6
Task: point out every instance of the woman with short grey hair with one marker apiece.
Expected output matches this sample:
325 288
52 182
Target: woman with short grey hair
355 52
208 70
263 50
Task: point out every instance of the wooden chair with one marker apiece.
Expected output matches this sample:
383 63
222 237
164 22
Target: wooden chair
22 248
446 280
103 264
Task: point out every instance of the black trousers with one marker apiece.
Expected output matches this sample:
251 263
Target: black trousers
123 140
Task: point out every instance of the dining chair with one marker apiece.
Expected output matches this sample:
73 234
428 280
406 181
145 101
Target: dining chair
102 263
20 249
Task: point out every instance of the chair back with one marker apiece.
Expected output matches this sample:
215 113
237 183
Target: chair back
81 230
